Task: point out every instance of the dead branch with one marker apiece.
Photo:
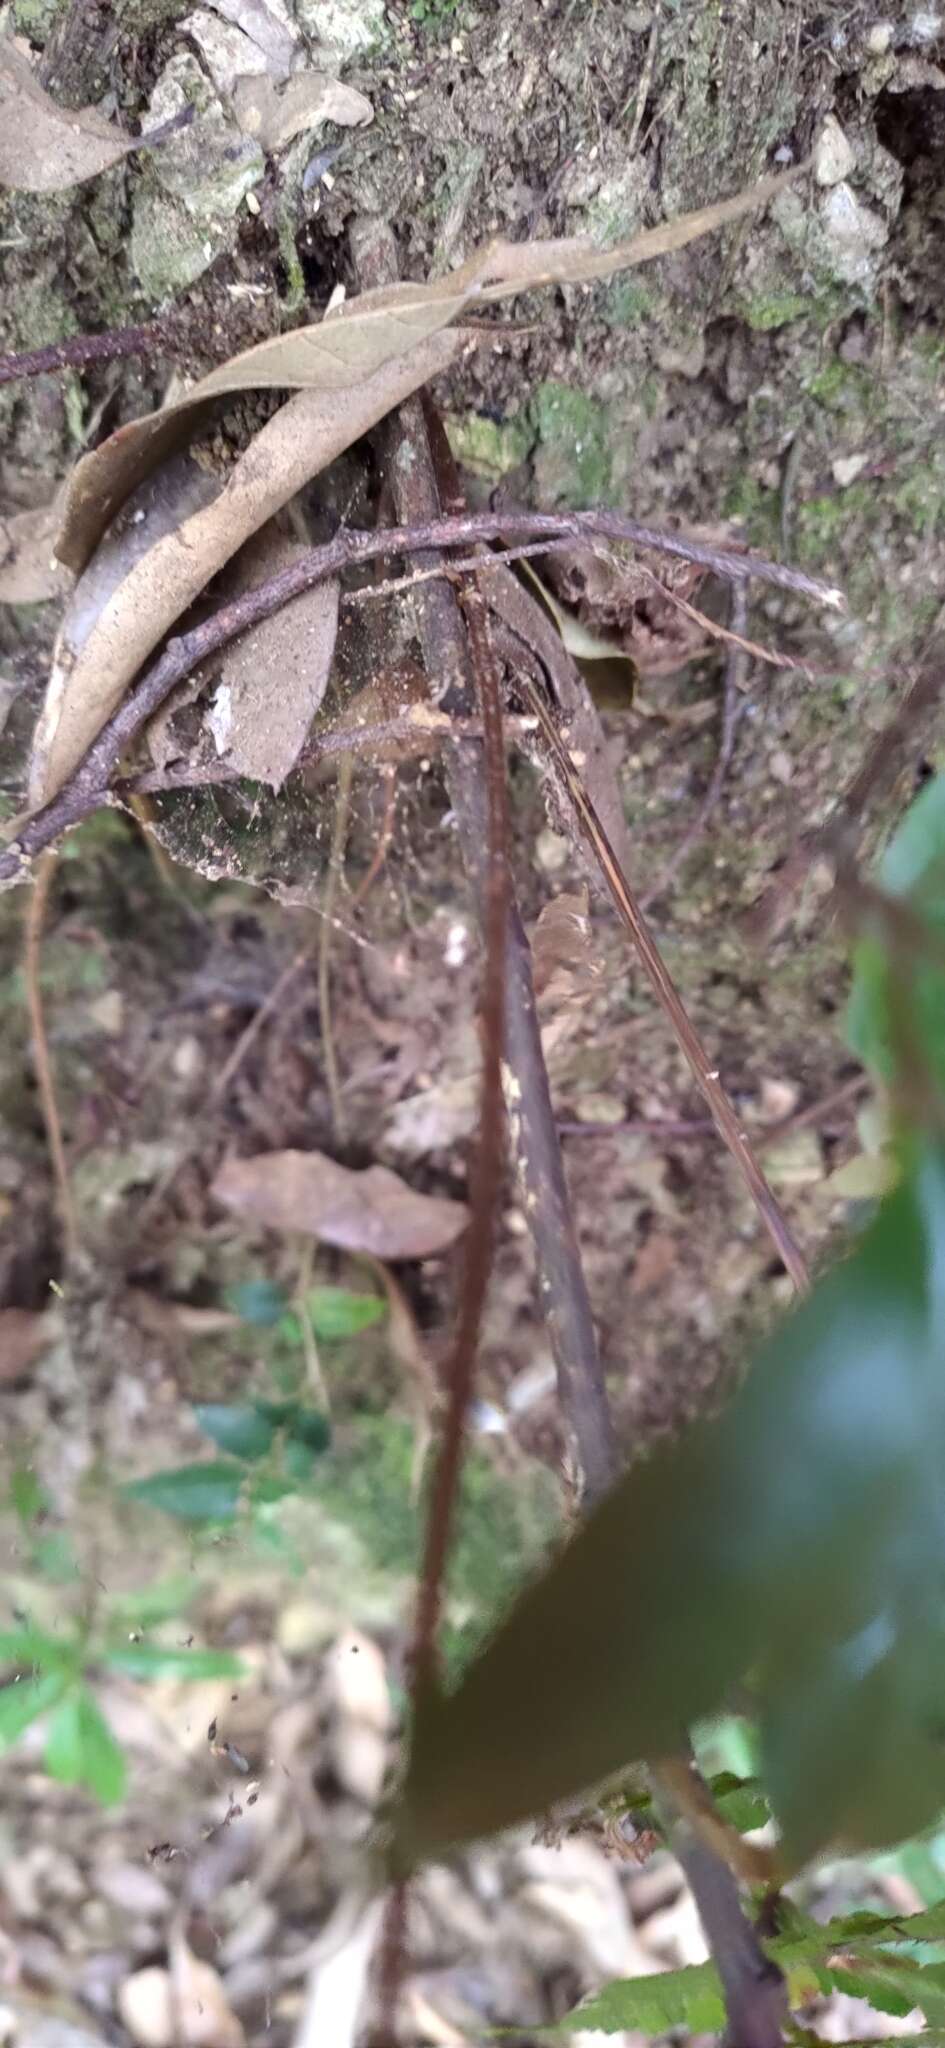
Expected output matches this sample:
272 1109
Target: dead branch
157 338
86 787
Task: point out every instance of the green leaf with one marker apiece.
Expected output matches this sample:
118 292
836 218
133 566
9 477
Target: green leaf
26 1495
913 866
336 1313
800 1537
193 1493
690 1998
743 1803
81 1749
22 1701
166 1600
879 1971
311 1428
153 1660
31 1648
308 1426
242 1429
260 1302
269 1487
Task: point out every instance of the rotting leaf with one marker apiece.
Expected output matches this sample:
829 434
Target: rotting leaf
275 676
372 1211
274 114
29 571
43 147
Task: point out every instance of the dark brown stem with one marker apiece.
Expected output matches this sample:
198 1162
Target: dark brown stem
418 486
155 339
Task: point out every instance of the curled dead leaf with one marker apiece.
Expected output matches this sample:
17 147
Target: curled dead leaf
303 437
376 350
274 114
372 1211
43 147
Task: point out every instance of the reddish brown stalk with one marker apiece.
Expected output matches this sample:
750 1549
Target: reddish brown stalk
487 1179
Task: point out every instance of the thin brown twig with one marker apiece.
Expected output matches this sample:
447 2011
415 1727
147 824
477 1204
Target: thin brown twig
151 339
336 858
733 704
707 1077
86 786
771 656
699 1126
42 1060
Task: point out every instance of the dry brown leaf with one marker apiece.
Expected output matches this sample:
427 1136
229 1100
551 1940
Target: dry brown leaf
44 148
374 1211
563 962
362 337
274 114
377 350
303 438
23 1333
29 571
334 356
275 676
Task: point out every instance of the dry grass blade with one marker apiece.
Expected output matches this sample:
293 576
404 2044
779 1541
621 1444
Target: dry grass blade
302 439
45 148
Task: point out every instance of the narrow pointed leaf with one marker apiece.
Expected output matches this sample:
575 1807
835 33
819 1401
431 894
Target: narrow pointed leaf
770 1540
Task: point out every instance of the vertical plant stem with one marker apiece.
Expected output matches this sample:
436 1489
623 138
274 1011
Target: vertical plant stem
582 1389
42 1061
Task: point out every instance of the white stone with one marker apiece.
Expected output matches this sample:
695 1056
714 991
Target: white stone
833 157
846 469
